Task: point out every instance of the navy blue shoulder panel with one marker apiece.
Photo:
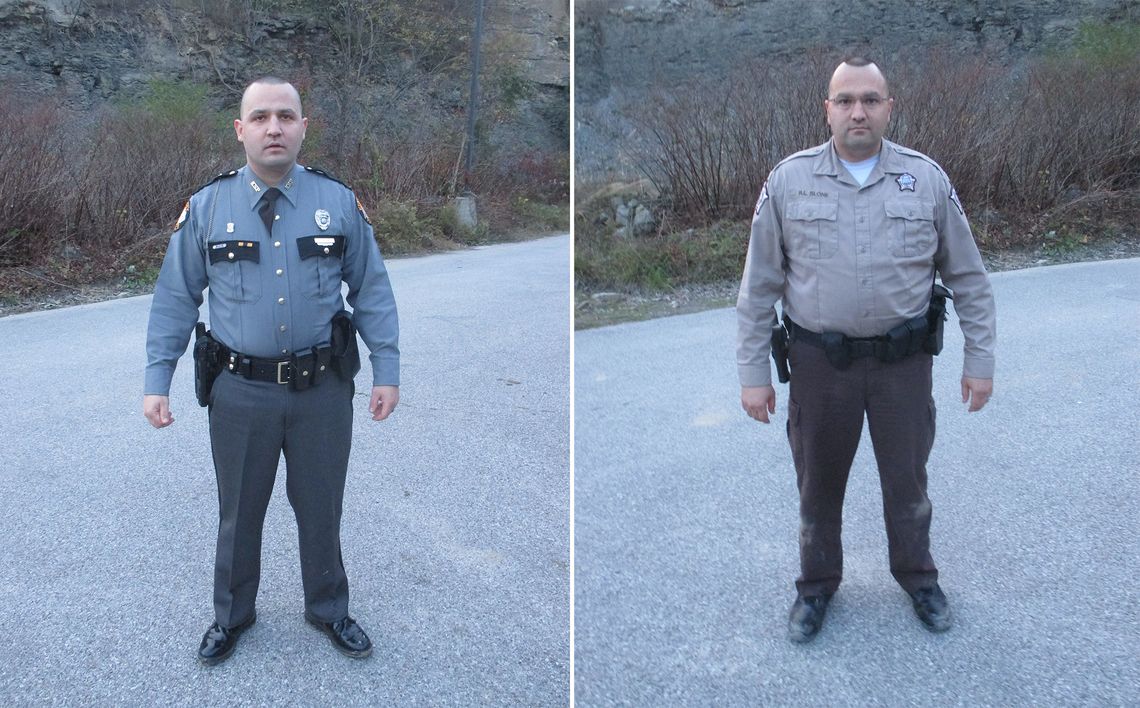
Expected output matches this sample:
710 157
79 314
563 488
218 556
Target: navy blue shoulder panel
326 175
224 175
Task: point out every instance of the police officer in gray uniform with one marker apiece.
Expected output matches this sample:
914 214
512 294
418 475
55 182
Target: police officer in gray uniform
850 234
273 242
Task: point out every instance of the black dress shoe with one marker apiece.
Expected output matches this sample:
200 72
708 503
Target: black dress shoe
931 607
345 634
219 642
807 617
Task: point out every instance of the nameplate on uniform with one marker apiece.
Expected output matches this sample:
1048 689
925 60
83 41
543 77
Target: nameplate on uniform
230 251
320 246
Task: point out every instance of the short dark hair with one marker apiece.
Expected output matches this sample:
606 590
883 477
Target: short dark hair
272 81
858 60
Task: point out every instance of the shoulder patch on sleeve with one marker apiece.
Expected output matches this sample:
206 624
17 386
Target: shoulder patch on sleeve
182 217
957 202
360 208
763 198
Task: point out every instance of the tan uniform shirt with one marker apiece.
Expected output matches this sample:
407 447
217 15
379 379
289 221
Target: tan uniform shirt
859 260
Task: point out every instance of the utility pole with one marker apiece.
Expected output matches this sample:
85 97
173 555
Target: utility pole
473 100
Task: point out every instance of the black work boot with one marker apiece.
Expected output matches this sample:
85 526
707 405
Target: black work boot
806 617
931 607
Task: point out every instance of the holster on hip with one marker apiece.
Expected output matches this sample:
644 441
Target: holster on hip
780 352
345 351
207 363
935 319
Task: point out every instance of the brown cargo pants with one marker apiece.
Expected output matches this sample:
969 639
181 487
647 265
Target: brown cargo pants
825 421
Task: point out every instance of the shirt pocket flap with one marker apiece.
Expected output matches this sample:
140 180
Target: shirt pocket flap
226 251
911 210
813 211
320 246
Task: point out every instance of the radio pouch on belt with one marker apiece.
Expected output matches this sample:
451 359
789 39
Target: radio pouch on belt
207 363
345 351
935 318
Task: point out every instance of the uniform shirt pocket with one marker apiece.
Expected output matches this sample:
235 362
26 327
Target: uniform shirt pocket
910 227
321 257
234 273
811 229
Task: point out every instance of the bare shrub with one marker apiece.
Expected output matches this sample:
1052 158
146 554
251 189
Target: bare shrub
713 142
1030 145
399 168
32 179
137 171
1076 133
956 109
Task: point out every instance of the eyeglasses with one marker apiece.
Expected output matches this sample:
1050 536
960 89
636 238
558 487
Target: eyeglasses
846 103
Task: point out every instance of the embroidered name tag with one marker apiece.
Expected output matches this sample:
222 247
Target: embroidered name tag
320 246
226 251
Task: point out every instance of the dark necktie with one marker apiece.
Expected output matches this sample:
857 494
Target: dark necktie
266 210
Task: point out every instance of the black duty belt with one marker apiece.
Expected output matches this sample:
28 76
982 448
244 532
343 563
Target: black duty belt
300 371
902 341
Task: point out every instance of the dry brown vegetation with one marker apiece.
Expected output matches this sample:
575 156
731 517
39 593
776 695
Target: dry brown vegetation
1046 154
91 197
1062 133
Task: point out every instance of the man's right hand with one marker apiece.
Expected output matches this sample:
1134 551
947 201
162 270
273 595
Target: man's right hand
758 401
157 410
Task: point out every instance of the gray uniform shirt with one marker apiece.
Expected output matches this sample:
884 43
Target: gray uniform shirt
859 260
271 293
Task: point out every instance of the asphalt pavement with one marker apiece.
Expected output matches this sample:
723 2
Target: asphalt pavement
456 520
686 521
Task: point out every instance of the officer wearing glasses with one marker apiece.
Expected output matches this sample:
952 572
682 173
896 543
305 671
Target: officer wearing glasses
850 236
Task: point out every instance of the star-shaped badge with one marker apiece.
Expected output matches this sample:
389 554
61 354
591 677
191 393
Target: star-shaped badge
906 182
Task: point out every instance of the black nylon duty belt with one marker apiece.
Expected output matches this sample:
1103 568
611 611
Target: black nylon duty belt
300 371
899 343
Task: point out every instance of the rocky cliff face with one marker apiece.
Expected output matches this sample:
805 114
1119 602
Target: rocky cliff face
86 53
540 30
623 48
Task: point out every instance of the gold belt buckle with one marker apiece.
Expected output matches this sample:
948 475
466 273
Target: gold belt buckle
281 364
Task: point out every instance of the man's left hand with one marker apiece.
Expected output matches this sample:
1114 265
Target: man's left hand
976 392
383 402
